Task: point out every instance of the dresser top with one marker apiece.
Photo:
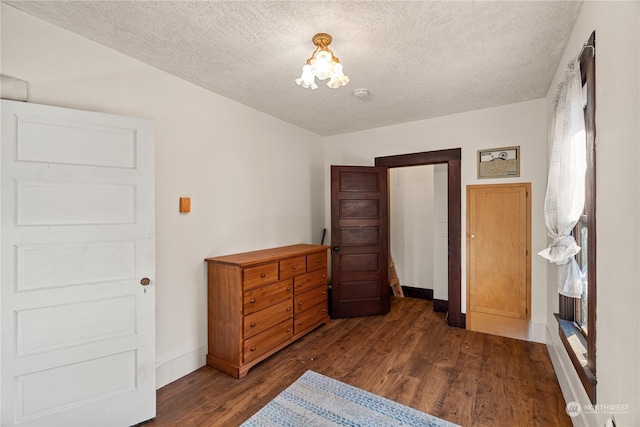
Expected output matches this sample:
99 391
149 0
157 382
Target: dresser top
266 255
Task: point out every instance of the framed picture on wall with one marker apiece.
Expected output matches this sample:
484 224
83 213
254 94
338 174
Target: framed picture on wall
499 162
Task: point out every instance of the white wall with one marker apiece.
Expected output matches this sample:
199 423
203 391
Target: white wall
418 224
243 170
520 124
617 209
411 224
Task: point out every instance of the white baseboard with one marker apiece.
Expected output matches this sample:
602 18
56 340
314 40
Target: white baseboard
171 370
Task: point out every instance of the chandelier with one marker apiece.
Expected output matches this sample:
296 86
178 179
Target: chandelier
323 65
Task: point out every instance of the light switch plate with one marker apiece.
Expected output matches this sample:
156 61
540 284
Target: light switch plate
185 204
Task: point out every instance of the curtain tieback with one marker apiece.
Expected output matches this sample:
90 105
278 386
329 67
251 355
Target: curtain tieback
561 250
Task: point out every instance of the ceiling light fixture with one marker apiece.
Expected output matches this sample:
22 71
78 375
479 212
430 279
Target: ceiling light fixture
323 65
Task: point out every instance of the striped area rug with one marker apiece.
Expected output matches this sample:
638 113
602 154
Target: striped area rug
316 400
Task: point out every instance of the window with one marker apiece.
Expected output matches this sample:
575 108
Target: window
577 315
581 309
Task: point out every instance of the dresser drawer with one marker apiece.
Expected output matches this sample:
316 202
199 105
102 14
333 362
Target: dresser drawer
310 318
264 274
310 298
259 298
267 340
265 319
292 267
309 280
317 261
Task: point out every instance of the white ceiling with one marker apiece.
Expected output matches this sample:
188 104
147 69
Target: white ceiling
418 59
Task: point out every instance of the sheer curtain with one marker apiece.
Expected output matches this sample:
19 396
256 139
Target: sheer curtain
564 201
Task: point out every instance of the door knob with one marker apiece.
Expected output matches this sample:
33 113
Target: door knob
473 236
145 281
336 248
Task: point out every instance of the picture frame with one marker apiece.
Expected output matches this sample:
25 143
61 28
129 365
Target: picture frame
501 162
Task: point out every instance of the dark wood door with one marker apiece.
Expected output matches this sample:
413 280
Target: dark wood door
360 241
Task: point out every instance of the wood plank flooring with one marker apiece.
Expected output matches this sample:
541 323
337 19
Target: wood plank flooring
410 356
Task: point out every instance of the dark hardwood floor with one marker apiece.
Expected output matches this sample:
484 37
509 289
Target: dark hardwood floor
410 356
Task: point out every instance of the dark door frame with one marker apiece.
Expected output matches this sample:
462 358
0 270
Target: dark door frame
451 158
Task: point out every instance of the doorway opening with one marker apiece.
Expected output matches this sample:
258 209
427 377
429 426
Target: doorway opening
418 232
451 158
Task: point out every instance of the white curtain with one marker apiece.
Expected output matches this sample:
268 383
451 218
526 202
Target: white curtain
564 201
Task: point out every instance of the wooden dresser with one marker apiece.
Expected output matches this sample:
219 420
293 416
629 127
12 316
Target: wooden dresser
262 301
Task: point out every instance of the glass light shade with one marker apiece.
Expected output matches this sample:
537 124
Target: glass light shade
323 64
338 79
307 79
323 55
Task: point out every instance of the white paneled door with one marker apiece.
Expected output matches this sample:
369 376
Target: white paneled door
77 229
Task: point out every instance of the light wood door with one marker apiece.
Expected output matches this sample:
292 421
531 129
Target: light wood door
360 241
77 214
498 258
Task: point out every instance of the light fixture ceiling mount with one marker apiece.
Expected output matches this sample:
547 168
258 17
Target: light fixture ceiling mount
322 40
322 64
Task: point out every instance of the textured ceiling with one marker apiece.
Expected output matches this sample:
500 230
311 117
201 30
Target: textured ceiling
417 59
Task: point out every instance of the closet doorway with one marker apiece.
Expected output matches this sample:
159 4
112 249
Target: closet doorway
451 158
418 231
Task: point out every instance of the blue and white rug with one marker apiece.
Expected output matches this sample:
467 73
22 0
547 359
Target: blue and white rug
316 400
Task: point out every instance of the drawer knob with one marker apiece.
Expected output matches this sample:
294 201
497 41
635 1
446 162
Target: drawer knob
288 329
288 308
300 303
318 261
253 301
324 309
253 349
263 275
293 267
324 276
288 288
253 325
300 323
324 292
